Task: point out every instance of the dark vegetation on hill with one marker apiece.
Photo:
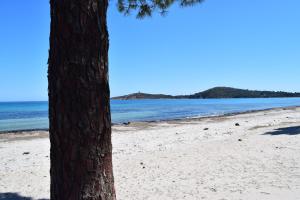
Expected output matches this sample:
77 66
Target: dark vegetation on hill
140 95
227 92
217 92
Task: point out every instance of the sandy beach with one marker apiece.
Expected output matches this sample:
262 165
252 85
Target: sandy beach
253 156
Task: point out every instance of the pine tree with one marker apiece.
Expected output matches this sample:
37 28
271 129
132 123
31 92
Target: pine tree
79 97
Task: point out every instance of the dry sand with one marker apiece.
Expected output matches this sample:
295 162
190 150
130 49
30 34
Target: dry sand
257 160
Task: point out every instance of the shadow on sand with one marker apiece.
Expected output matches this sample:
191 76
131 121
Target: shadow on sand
14 196
293 130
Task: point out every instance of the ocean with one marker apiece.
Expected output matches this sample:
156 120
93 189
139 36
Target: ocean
34 115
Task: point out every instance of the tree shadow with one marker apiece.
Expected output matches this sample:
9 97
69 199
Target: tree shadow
293 130
14 196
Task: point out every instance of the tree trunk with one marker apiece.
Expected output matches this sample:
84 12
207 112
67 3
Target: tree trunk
79 108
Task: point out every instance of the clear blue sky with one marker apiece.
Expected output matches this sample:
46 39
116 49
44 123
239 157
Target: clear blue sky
240 43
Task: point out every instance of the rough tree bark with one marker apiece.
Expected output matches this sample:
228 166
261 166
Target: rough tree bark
79 108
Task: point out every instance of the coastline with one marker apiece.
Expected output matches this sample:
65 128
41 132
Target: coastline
253 155
131 123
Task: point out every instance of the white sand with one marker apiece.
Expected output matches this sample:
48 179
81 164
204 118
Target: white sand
179 159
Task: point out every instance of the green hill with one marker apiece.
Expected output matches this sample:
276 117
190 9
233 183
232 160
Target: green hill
216 92
227 92
140 95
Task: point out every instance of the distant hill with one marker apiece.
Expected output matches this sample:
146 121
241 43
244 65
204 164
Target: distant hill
140 95
227 92
216 93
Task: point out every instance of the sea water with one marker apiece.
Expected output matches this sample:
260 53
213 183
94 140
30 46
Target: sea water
34 115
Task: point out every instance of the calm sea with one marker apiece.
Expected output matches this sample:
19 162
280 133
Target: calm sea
33 115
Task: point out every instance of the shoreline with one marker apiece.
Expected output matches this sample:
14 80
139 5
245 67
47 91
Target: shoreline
242 156
160 121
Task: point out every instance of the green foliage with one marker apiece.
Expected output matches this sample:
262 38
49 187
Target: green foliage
145 8
217 92
227 92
